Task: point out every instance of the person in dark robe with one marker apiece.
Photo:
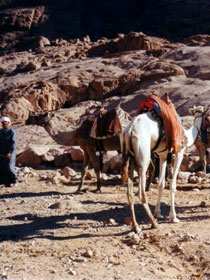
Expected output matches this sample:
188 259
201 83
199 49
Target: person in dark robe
8 146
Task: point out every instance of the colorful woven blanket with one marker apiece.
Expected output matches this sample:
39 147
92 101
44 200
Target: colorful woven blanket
173 129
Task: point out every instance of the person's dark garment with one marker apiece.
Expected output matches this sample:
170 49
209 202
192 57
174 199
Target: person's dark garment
8 144
205 127
204 136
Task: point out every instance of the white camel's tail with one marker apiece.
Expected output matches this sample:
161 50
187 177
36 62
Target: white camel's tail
125 141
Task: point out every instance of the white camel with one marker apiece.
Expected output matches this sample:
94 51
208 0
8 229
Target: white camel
138 140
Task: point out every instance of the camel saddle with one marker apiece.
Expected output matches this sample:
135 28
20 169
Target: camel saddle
166 111
106 124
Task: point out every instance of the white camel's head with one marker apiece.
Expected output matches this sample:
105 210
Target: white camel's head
197 110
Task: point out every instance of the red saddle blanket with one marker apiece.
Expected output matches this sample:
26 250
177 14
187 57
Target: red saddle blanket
173 129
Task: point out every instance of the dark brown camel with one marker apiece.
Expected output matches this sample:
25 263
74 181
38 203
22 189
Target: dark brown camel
81 137
202 143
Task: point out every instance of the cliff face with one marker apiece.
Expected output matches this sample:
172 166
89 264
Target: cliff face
65 58
22 21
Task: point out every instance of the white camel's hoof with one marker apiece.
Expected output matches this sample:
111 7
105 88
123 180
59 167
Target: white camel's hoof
159 216
174 220
97 191
136 229
155 225
81 191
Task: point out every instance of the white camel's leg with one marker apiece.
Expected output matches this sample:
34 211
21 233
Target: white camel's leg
124 168
161 180
144 197
141 150
130 195
139 193
142 158
177 163
84 172
151 172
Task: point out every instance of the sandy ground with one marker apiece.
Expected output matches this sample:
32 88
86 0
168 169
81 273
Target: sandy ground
48 232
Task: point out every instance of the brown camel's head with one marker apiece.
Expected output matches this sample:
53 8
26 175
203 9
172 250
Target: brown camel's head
41 119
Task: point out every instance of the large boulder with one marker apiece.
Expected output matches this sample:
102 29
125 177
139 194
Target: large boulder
32 156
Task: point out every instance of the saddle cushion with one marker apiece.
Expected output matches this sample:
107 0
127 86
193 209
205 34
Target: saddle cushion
147 105
107 124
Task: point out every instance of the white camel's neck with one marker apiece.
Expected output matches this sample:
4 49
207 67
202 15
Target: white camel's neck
65 138
192 132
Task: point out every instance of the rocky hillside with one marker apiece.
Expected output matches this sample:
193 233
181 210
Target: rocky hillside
21 21
72 76
69 74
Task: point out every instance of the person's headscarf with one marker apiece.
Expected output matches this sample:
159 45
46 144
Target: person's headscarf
5 119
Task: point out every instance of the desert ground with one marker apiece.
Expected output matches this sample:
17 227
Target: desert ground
48 232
